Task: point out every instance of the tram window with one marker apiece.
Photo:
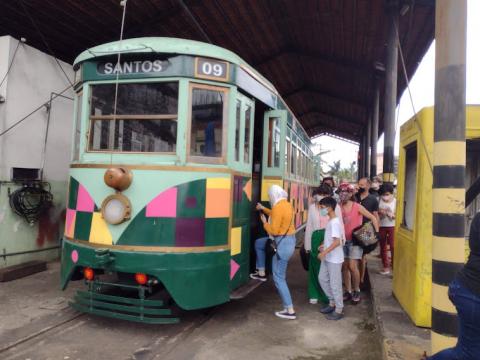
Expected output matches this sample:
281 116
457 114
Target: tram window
207 122
287 157
144 118
293 160
248 119
274 143
237 131
78 127
410 186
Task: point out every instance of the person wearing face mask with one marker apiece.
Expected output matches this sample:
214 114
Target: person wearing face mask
314 234
369 202
281 228
386 211
375 189
352 214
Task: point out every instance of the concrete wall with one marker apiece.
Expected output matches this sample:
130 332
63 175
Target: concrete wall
32 78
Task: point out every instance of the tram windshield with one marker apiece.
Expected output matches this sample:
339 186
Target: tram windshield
142 119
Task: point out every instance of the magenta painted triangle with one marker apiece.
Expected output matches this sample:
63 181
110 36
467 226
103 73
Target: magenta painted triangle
233 268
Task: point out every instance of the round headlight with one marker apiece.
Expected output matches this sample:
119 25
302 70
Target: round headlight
116 209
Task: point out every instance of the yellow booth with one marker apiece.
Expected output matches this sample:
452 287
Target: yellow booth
412 280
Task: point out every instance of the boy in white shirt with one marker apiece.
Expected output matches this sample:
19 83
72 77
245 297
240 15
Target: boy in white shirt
331 255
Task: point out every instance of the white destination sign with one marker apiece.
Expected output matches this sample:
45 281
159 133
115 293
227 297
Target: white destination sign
132 67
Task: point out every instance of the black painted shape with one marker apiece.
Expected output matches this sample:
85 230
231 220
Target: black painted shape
444 323
449 176
448 225
443 272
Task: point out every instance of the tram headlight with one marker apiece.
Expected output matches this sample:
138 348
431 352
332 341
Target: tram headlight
116 209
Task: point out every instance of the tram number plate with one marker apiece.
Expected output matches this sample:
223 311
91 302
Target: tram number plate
211 69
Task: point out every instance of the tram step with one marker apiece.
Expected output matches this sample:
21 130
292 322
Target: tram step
245 289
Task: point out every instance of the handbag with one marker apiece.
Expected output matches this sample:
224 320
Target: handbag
271 245
365 236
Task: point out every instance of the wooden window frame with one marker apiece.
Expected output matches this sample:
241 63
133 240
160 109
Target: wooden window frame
221 160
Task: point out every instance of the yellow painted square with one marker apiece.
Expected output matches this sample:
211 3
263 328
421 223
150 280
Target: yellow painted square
218 183
236 241
99 233
266 183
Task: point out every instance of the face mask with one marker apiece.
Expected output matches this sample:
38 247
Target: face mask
323 211
318 197
386 198
344 196
361 190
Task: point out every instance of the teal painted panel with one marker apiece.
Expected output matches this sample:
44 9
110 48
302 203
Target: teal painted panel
194 280
83 223
216 231
149 231
191 199
72 194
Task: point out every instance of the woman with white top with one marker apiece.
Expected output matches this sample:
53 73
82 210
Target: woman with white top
314 236
386 211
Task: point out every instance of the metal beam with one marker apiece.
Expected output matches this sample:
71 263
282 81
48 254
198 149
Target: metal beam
324 93
313 56
322 126
332 116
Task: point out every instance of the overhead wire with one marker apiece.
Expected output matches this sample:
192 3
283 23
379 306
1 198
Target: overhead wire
124 4
33 111
45 41
415 118
11 63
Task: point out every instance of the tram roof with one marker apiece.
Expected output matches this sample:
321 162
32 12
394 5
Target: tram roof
167 46
319 55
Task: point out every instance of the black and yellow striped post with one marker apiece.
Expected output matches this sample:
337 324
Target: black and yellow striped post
449 154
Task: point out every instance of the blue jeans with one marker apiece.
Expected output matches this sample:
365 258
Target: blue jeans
468 308
285 250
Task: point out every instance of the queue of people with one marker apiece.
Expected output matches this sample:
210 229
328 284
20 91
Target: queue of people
336 263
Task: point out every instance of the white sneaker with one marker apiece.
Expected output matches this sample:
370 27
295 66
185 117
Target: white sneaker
385 272
313 301
286 315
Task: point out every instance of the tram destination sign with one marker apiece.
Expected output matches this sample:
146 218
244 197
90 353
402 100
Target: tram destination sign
132 67
211 69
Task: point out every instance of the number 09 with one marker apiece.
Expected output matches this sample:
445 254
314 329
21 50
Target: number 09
209 69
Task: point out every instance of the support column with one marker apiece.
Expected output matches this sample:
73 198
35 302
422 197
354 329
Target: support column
390 92
374 137
361 160
367 147
449 154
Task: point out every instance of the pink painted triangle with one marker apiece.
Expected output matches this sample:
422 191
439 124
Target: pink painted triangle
233 268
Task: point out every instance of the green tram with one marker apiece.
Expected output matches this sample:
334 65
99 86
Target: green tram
174 143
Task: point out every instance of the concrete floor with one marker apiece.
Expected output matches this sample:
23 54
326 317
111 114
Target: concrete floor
38 324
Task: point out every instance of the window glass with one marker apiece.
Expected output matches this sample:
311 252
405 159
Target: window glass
410 186
78 127
293 160
145 120
287 157
298 162
273 142
207 122
248 119
237 130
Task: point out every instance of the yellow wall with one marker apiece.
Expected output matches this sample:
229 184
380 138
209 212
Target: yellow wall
412 281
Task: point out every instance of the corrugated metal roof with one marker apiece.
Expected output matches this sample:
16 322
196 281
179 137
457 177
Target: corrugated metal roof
319 54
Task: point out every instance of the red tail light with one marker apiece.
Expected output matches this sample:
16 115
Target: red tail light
88 273
141 279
